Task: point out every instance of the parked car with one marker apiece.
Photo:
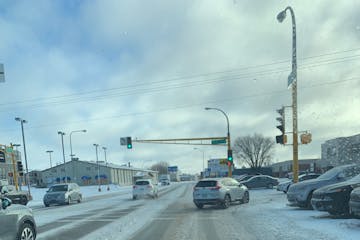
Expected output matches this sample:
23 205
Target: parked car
143 188
16 221
300 194
335 198
260 181
64 193
284 187
354 203
221 192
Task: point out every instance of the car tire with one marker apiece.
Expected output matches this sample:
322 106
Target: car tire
23 200
80 199
245 198
199 205
226 201
308 201
134 197
270 186
26 231
46 205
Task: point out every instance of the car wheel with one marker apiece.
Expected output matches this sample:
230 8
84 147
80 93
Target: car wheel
23 200
199 205
26 232
270 185
245 198
80 199
226 202
46 205
134 197
308 201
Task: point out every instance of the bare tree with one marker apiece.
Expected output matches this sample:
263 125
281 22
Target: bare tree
256 150
161 167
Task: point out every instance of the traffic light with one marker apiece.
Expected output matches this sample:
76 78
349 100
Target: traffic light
230 157
20 166
282 139
128 142
2 156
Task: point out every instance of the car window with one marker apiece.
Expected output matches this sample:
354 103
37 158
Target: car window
351 172
206 184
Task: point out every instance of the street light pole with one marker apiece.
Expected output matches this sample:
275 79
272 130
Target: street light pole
108 187
292 79
97 161
22 121
49 152
228 135
63 150
71 150
203 159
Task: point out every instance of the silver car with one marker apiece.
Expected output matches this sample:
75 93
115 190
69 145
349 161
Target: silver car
220 191
62 194
16 221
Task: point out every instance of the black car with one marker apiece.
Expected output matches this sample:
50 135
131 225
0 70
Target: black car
354 203
260 181
335 198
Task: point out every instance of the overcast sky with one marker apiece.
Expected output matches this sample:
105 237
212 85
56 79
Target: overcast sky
147 69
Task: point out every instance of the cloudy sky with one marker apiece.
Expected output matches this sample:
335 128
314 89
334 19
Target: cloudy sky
147 69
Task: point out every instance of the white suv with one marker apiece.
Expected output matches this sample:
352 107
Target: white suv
221 192
145 187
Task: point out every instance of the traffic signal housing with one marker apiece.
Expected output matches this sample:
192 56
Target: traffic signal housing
20 167
230 158
128 142
282 139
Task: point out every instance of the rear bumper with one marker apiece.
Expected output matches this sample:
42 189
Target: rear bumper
215 201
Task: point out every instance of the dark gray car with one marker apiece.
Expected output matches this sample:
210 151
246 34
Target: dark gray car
260 181
16 221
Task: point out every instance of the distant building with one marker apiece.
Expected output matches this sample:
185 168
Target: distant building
217 168
282 169
342 150
91 173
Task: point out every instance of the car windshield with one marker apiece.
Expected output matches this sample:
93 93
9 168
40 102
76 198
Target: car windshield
331 173
58 188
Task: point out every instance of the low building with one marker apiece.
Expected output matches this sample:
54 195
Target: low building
282 169
92 173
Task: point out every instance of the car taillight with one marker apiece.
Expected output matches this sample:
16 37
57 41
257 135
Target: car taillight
149 186
215 188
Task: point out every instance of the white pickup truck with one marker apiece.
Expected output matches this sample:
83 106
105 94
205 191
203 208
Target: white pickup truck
16 197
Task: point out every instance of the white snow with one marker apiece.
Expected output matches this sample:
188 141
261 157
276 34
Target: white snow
266 216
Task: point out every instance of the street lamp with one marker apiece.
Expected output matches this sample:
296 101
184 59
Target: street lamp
22 121
292 80
49 152
104 148
97 161
71 152
203 158
62 144
228 135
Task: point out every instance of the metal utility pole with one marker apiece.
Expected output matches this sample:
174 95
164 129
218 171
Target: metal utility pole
97 161
228 136
292 80
49 152
63 150
22 121
104 148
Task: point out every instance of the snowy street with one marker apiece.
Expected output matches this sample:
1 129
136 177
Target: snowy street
174 216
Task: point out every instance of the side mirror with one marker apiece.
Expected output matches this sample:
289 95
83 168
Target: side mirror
5 202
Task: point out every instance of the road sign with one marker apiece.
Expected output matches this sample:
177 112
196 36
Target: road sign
291 78
123 141
218 141
9 150
173 169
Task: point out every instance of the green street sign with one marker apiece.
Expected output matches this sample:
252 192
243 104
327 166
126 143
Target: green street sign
9 150
218 141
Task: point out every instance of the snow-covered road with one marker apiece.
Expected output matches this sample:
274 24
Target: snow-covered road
173 216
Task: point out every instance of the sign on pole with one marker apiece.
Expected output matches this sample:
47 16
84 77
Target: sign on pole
218 141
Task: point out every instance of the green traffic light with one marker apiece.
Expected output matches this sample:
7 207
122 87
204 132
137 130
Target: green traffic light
129 146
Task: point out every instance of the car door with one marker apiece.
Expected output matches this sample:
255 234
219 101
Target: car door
227 184
238 190
7 223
